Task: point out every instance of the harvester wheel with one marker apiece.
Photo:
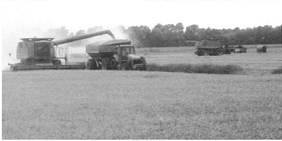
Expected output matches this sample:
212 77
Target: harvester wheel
220 53
30 61
57 62
205 53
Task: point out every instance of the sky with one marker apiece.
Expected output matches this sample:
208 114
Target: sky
29 18
80 14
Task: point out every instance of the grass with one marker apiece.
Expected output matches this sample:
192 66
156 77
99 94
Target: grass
277 71
82 104
196 68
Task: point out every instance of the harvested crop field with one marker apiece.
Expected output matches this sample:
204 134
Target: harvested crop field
252 62
140 105
94 104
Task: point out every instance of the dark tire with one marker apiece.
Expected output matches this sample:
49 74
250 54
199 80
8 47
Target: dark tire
91 64
199 53
220 53
104 64
57 62
205 53
30 61
124 66
144 68
113 64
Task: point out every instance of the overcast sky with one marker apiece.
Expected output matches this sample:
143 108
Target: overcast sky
81 14
28 18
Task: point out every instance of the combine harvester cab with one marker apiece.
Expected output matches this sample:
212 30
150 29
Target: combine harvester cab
114 55
40 53
206 47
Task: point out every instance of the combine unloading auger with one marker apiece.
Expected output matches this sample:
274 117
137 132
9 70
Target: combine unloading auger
76 38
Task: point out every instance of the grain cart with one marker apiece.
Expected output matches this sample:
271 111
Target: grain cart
261 49
206 47
40 53
114 55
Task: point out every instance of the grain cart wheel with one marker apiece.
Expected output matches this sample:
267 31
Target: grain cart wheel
199 53
91 64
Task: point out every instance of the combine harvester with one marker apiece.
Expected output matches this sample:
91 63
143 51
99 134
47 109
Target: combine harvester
40 53
207 47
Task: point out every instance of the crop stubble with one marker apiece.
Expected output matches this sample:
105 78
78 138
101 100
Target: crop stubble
82 104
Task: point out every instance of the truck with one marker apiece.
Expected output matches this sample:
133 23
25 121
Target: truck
118 54
40 53
206 47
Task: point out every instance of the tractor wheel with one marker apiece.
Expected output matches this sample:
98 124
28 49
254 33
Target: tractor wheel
113 64
123 66
144 68
104 64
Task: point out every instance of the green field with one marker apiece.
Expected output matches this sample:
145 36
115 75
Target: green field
85 104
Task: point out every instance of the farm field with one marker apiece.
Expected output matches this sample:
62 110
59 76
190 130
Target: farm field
252 62
85 104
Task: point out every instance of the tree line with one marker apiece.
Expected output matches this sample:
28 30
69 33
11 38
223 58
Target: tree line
170 35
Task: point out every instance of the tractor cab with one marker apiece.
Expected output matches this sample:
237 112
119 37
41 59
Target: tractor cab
124 51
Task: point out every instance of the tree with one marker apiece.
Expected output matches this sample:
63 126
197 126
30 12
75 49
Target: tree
140 35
